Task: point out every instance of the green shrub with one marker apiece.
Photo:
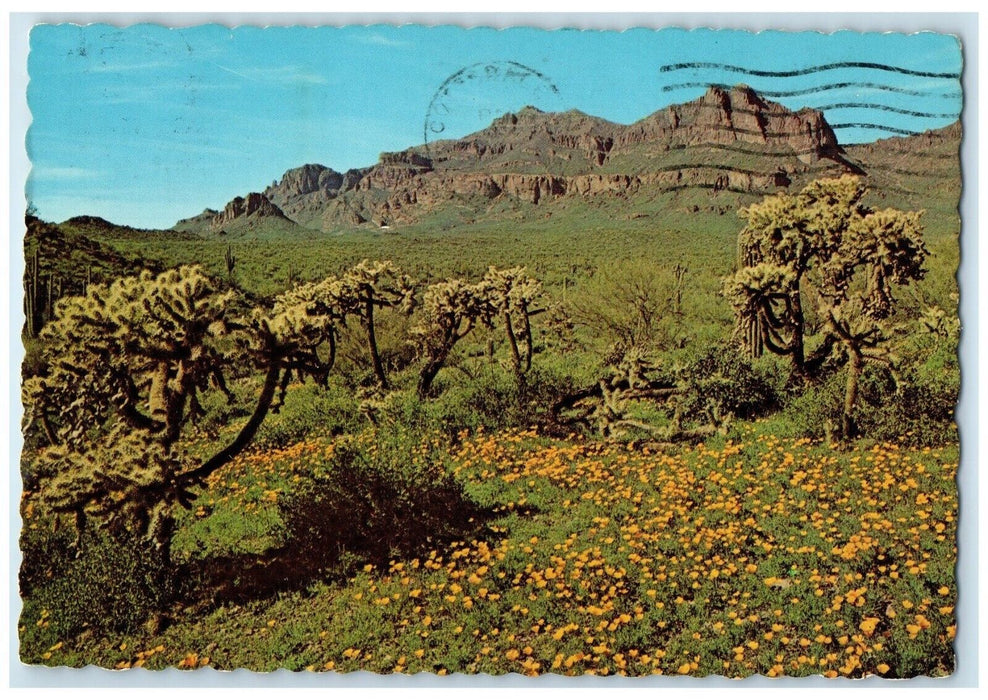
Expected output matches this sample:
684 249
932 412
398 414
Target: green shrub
724 380
44 554
818 408
915 410
495 400
374 504
920 413
631 303
111 584
311 410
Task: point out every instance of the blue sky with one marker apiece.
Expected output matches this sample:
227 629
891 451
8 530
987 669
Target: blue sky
145 125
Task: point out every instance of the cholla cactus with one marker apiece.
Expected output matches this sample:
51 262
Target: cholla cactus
303 319
373 285
825 240
864 338
515 295
887 246
762 299
938 322
822 239
452 309
124 368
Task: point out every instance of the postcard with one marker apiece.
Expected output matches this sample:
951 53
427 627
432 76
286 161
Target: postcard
426 349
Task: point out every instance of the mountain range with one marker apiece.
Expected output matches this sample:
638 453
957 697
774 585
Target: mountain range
729 143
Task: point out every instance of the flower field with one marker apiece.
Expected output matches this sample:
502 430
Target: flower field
754 556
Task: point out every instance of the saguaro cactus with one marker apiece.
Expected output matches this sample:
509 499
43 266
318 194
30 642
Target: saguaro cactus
32 295
231 262
679 273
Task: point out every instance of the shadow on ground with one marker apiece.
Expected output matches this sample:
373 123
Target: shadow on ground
334 526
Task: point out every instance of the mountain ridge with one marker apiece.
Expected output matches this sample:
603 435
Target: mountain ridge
730 141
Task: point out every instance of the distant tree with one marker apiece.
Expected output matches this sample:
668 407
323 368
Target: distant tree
451 310
123 370
634 304
825 245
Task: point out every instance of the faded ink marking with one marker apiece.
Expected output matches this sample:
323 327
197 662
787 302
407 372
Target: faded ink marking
840 105
510 70
702 65
881 127
886 108
822 88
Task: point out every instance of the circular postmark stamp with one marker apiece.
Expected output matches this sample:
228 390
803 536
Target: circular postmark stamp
475 95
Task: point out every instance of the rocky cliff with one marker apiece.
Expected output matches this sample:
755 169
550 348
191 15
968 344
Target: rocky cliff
736 116
726 140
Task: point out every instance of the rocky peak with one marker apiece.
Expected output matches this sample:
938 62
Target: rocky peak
254 204
406 158
738 115
526 113
738 97
305 179
530 112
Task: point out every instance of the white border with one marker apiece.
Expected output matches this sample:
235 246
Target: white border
972 395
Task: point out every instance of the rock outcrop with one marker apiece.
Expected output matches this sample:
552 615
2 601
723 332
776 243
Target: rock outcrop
305 180
254 205
736 116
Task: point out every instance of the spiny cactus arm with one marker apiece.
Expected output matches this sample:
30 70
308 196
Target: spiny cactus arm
36 400
47 427
101 476
462 329
652 389
816 358
380 283
775 328
851 325
286 377
162 310
218 380
526 315
452 309
376 360
331 359
755 293
512 341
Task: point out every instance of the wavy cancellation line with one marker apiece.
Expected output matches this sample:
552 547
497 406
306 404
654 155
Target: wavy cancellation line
823 88
877 127
845 105
703 65
887 108
761 192
725 168
803 152
758 192
821 168
835 127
